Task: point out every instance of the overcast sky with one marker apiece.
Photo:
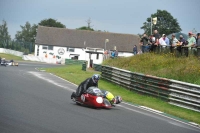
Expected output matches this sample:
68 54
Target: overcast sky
121 16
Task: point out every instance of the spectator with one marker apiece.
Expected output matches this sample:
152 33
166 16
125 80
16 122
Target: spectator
191 40
152 42
173 42
157 37
134 49
139 52
198 40
156 43
113 54
181 42
196 37
144 43
109 53
116 53
106 54
164 40
197 44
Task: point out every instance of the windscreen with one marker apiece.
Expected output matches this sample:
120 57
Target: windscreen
94 91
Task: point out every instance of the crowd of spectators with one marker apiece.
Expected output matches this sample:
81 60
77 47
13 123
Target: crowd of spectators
150 43
110 54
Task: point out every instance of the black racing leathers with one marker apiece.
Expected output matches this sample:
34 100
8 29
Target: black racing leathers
84 86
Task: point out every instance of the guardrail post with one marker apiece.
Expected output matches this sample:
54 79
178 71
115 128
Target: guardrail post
198 51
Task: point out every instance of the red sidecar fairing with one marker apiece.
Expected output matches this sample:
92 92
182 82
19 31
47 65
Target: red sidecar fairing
94 97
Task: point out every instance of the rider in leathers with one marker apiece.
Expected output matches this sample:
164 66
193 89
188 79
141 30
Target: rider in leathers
93 81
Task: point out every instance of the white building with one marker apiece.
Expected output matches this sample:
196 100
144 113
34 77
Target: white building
53 43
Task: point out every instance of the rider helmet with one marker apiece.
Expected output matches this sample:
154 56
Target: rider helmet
95 78
118 99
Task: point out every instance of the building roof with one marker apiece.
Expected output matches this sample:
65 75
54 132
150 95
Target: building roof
83 38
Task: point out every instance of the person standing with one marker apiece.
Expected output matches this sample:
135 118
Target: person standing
144 43
166 39
116 53
113 54
196 48
198 40
157 37
191 40
173 42
181 42
135 50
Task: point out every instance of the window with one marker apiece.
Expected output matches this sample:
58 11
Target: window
75 58
44 47
50 47
38 52
70 49
47 47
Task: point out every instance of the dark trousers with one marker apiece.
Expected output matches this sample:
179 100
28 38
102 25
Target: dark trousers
79 90
153 48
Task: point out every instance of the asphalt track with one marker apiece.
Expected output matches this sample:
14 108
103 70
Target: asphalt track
32 101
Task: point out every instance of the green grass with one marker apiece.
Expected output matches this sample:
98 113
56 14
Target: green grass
165 65
11 57
74 74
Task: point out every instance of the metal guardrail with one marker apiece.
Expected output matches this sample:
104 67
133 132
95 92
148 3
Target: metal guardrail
97 67
178 93
70 61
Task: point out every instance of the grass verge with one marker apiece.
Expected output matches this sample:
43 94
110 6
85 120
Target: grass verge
11 57
186 69
75 75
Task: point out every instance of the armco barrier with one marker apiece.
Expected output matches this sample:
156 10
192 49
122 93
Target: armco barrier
97 67
70 61
175 92
185 95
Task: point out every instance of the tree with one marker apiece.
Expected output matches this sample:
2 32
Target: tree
51 23
166 24
85 28
25 38
27 34
4 35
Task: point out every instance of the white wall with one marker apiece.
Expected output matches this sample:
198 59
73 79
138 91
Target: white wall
80 52
9 51
67 54
94 58
43 59
125 54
